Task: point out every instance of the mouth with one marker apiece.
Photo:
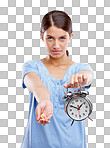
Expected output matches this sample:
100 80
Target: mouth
56 51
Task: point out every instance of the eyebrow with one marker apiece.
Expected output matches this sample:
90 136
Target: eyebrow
60 36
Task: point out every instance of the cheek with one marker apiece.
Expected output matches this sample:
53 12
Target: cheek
64 44
48 45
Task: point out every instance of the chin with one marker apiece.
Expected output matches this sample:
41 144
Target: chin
56 56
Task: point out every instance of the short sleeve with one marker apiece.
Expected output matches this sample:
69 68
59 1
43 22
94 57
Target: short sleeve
27 67
85 66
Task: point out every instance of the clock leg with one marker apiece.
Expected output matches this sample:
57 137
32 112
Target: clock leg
72 122
90 119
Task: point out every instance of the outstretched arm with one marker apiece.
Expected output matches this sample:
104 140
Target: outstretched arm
42 95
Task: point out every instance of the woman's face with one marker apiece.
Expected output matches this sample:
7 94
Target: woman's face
56 41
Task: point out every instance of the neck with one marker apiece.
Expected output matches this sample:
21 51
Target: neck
57 61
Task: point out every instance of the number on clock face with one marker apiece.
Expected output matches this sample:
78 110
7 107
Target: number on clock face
78 108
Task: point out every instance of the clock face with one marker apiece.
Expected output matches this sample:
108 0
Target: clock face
78 108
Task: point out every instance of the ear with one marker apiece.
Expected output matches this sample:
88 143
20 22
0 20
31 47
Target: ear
41 36
70 37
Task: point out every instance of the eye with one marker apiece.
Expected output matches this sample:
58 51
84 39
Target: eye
62 38
49 38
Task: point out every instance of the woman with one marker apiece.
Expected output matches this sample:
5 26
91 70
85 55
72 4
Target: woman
47 79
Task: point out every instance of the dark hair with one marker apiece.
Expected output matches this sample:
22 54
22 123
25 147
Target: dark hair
59 19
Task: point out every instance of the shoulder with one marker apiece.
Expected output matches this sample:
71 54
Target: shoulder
79 65
83 66
30 64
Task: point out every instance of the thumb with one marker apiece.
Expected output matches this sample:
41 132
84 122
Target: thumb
38 112
65 85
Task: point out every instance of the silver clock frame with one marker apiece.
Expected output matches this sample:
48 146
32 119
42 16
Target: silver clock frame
69 96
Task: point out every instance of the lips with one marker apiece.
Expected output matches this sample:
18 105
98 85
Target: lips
56 51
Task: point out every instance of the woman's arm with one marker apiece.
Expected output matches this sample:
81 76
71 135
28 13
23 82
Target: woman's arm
42 95
35 85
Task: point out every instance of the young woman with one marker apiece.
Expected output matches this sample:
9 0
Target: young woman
47 79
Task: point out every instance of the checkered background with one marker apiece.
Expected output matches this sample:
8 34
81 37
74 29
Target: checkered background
20 41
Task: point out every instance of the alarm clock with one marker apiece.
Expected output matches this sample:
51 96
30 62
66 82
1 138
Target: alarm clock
77 106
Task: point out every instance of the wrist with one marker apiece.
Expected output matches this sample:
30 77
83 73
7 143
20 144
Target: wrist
42 98
42 94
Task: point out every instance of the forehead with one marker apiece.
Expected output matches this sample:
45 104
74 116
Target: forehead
54 31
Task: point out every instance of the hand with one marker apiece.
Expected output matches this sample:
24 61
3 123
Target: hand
73 106
75 80
44 107
78 111
81 105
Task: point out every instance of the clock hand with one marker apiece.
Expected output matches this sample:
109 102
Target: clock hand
78 110
79 113
81 105
73 106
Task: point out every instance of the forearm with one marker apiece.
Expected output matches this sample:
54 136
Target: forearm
89 76
41 94
35 85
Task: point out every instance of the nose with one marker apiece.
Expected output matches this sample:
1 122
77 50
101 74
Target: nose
56 44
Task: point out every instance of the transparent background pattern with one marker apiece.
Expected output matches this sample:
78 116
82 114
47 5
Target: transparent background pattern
20 41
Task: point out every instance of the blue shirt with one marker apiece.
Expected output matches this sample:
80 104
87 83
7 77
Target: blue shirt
58 133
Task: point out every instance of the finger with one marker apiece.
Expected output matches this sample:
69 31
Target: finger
65 85
40 121
72 80
47 121
43 122
84 81
38 113
76 81
69 85
80 78
84 78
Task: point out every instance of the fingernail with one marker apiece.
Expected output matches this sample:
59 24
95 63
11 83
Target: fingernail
37 119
